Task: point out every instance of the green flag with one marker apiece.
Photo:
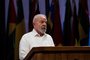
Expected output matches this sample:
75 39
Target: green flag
20 27
83 18
11 30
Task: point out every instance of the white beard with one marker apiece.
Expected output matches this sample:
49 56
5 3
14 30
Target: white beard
43 30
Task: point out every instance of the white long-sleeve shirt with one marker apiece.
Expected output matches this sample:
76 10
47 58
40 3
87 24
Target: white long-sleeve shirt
33 39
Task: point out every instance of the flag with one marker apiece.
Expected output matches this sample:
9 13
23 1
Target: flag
57 31
33 10
11 30
67 33
20 27
75 32
2 30
48 15
37 8
83 22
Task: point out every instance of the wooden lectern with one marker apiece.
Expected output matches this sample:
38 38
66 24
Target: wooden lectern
59 53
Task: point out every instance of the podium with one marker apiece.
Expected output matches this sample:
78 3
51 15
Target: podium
59 53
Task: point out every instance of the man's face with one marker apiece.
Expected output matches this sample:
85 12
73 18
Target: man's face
41 25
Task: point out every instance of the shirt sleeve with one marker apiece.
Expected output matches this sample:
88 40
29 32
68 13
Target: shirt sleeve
23 48
51 42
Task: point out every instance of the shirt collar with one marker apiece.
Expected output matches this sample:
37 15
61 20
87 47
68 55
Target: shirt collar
36 34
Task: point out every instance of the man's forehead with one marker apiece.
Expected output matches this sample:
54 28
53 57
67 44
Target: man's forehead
42 18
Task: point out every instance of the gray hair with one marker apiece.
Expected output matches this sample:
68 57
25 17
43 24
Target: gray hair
37 16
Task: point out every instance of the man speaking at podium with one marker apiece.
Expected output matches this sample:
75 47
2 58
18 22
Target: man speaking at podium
36 38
